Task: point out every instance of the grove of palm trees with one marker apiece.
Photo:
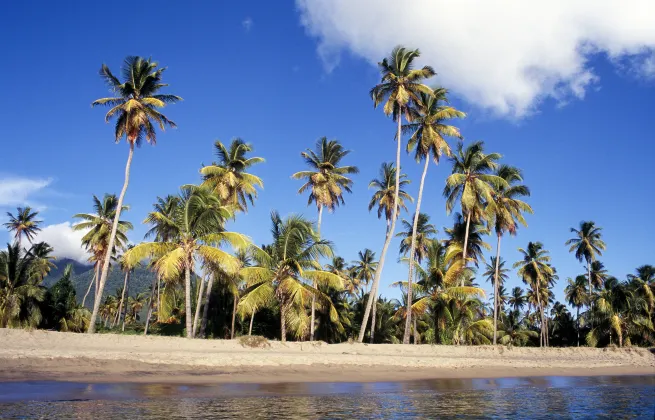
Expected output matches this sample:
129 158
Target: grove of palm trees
193 276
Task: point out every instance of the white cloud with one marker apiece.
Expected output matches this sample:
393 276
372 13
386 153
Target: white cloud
66 242
247 24
502 55
16 191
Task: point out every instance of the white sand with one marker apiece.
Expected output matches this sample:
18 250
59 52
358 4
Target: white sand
110 357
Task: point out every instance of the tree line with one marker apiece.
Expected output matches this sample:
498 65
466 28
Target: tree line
211 282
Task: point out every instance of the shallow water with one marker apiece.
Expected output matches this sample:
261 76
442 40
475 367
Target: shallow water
538 397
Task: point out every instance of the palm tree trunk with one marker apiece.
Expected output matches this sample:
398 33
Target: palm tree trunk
187 299
110 245
373 323
205 309
577 317
158 300
150 304
252 319
496 289
412 253
541 315
95 275
312 325
127 292
198 305
120 306
415 331
466 240
234 316
387 241
283 324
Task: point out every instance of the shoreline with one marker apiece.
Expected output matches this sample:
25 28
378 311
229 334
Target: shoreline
110 358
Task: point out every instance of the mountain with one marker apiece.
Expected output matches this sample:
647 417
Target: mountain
60 265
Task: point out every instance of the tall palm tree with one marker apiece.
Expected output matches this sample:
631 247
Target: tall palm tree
363 269
587 245
326 181
135 108
279 271
576 297
472 183
23 224
505 213
98 227
197 231
400 88
517 299
385 191
228 177
535 270
428 127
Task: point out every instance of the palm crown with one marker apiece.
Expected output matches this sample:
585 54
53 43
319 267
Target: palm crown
24 223
587 243
425 233
326 179
228 177
135 106
385 187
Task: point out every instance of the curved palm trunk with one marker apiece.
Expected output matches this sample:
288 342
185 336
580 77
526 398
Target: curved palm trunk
205 309
496 289
120 306
95 276
127 292
234 316
110 245
198 305
373 322
151 303
312 326
466 240
412 253
387 241
252 318
187 299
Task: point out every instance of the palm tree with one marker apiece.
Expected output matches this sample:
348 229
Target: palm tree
587 244
515 331
399 88
385 191
23 224
196 228
598 274
472 235
327 182
535 270
98 227
428 127
279 271
135 108
517 299
490 271
576 297
612 306
420 235
21 291
472 183
505 212
363 269
228 177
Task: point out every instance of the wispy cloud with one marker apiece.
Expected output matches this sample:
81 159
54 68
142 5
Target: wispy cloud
247 24
505 56
17 191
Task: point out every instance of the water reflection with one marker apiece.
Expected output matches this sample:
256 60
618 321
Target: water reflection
612 397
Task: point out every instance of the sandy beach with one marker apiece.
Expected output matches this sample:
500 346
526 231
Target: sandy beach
43 355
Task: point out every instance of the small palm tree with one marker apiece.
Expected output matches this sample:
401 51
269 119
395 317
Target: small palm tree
472 183
135 108
279 270
23 224
535 270
598 274
196 228
228 177
517 299
385 191
576 297
363 269
400 87
505 213
326 181
609 313
98 227
587 245
421 236
472 235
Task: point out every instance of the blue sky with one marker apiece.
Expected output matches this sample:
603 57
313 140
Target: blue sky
280 78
